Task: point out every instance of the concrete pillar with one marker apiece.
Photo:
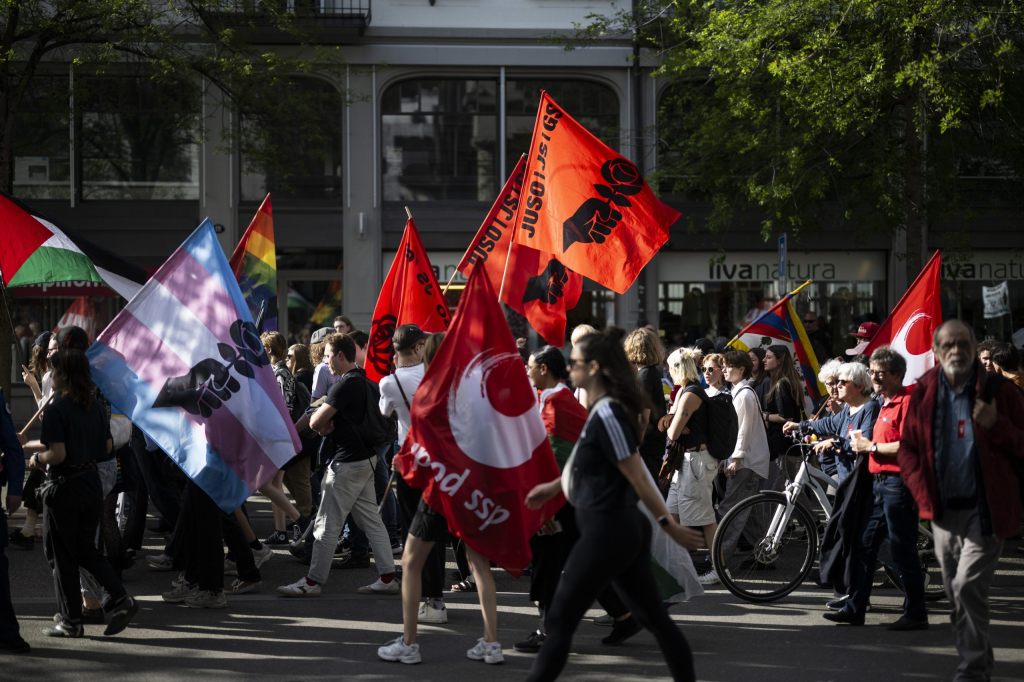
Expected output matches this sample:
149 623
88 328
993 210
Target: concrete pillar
218 168
361 240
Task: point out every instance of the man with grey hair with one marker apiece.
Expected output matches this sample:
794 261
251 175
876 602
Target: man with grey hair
961 430
889 512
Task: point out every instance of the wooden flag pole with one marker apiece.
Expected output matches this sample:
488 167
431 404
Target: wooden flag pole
38 414
508 258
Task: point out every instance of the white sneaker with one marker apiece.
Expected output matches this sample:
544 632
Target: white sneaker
398 650
381 587
180 590
262 555
299 588
709 578
206 599
429 613
488 652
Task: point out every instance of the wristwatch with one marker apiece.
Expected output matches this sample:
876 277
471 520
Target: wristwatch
874 449
663 521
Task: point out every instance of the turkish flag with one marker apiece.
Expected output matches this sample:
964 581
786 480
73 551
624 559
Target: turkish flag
912 323
586 205
81 313
410 295
537 286
477 444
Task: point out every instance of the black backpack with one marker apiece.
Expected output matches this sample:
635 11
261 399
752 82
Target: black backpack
374 430
723 426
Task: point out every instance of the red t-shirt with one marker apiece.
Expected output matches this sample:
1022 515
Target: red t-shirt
887 430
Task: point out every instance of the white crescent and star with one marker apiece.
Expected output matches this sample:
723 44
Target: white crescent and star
484 433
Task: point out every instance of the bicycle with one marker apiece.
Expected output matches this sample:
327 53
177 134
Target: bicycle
773 560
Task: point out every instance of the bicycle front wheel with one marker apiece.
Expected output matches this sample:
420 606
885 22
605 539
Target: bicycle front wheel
774 553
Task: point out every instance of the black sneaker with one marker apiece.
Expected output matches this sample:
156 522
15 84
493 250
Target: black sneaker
351 561
623 630
278 538
531 644
15 646
122 614
300 552
20 541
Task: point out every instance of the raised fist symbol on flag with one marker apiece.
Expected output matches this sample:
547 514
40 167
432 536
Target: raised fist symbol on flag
549 286
594 220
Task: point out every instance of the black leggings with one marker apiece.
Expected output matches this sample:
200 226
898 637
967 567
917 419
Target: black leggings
613 548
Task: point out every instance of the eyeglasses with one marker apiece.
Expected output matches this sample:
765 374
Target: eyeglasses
832 383
878 372
845 381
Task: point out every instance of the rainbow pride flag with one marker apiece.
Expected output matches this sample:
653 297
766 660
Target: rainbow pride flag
185 363
780 324
254 263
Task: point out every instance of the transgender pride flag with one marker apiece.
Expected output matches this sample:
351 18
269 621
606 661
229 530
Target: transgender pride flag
184 362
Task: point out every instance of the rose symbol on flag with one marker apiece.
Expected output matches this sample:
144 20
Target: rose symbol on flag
492 423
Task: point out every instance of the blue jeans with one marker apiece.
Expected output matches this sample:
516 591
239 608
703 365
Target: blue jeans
388 513
893 514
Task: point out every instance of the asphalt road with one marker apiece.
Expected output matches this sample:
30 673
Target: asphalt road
336 635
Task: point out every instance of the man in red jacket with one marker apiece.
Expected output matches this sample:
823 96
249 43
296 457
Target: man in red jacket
961 430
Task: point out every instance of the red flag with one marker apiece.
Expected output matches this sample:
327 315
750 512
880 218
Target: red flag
410 295
912 323
477 444
537 286
587 205
81 313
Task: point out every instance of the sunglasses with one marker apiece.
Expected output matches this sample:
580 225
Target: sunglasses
709 369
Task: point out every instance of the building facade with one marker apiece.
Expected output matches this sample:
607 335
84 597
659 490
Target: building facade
430 110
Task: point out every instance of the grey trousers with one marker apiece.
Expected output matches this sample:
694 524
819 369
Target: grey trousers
738 488
968 560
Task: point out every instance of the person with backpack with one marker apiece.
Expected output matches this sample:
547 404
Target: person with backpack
690 493
348 485
746 469
296 471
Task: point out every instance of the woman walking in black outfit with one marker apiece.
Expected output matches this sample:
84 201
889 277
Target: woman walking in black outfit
76 432
607 477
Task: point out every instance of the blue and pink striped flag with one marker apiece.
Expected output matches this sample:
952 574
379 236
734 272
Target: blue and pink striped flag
185 363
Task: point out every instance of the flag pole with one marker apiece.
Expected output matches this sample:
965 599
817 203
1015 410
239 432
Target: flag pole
508 256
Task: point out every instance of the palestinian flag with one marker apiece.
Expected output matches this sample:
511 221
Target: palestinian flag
36 251
563 418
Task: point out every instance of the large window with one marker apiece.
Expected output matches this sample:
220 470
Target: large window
440 137
594 105
439 140
139 138
42 162
292 148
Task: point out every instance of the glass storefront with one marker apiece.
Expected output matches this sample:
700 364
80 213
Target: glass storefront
963 278
714 294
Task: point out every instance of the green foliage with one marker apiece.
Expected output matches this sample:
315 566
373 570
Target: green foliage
177 44
796 108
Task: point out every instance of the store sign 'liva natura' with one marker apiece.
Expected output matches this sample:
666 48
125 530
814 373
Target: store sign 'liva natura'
763 266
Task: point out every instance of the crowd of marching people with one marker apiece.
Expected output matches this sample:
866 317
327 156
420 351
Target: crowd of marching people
688 433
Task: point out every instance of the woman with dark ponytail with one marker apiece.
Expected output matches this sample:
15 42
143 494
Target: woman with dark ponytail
76 433
605 479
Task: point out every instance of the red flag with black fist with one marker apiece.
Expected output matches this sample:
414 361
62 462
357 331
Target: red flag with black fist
586 205
477 444
537 286
410 295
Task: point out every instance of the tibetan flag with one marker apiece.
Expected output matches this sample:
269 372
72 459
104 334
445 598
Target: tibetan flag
476 444
780 324
911 325
586 205
254 263
185 363
81 313
536 285
36 251
410 295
